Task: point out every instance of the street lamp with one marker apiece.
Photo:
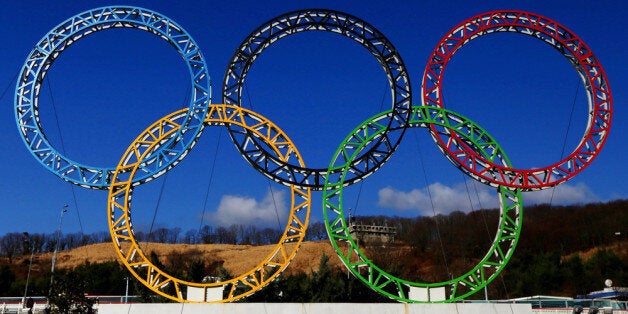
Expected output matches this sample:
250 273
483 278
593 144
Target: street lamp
31 247
54 255
126 293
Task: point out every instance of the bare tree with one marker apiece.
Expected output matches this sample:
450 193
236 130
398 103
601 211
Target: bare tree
316 232
12 245
205 235
190 237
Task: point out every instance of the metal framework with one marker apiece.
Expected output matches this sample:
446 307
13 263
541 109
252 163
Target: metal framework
569 45
129 250
61 37
504 243
329 21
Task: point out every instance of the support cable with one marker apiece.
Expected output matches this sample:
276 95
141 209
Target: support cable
381 108
481 208
272 194
429 193
161 192
357 200
270 188
381 105
165 178
482 211
211 178
562 152
54 109
6 89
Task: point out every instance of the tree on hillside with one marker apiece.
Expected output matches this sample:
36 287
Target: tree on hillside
573 274
604 264
107 278
316 232
11 245
6 279
67 294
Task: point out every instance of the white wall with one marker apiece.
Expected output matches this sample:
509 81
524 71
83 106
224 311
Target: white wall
317 308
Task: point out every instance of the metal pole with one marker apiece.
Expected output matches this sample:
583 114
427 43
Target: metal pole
54 255
30 264
126 293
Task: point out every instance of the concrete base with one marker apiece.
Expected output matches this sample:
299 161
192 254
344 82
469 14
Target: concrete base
317 308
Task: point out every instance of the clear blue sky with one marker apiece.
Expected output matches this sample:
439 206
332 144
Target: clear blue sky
109 86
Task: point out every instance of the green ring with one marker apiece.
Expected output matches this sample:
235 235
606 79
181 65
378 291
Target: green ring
511 214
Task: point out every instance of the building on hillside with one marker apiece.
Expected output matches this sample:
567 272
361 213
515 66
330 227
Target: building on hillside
371 234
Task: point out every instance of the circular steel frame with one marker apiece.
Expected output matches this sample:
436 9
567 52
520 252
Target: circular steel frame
129 250
330 21
486 169
504 243
75 28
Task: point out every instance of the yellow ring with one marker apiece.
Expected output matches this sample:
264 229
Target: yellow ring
119 211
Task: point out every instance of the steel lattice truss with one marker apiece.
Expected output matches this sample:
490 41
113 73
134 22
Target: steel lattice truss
570 46
129 250
329 21
504 243
61 37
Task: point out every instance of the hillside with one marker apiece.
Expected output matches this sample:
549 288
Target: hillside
563 250
305 261
307 257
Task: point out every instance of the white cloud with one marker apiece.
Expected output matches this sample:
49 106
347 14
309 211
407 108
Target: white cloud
564 194
459 197
243 210
445 199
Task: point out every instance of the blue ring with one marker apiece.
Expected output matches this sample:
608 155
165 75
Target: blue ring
63 35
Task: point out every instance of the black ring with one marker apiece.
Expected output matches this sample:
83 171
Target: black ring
319 20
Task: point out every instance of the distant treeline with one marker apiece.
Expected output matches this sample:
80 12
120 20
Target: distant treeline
570 228
426 249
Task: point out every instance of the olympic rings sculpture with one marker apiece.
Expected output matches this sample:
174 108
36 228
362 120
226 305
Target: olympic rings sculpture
266 147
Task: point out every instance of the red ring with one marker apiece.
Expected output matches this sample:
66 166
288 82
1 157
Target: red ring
570 46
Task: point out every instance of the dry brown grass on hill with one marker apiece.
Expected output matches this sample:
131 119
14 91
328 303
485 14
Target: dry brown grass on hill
619 248
237 258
